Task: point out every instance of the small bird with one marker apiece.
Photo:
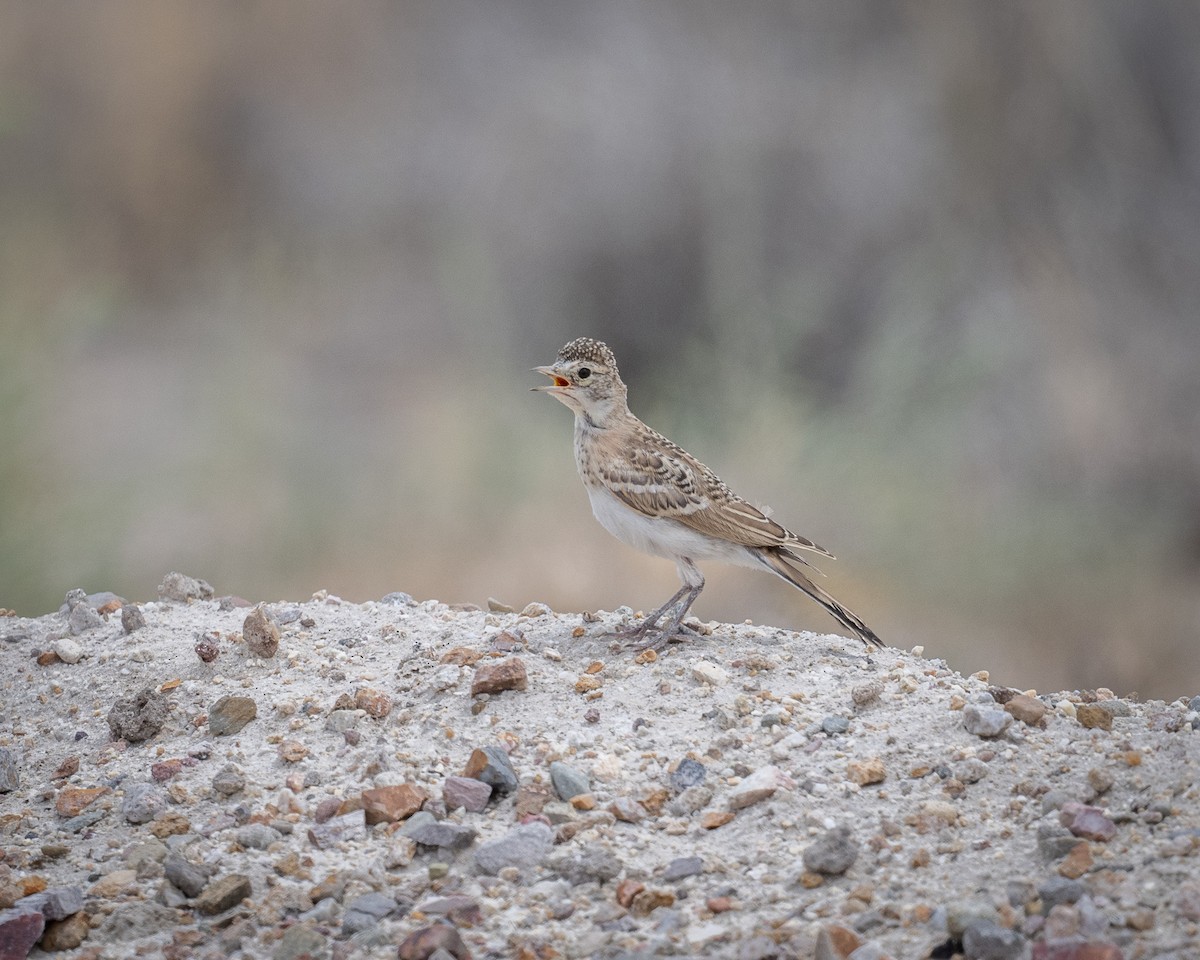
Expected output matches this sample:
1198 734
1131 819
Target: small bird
655 496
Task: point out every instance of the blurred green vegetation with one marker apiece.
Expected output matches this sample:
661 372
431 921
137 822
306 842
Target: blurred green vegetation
920 276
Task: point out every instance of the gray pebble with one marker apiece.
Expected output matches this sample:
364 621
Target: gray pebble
299 941
689 773
132 618
185 875
143 918
83 618
399 599
366 911
452 836
688 802
10 777
682 867
990 941
498 772
68 649
182 588
1058 890
257 836
142 803
524 846
568 782
833 853
1055 841
139 716
985 721
55 903
229 714
835 725
587 865
229 780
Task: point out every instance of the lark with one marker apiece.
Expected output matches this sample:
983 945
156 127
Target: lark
654 496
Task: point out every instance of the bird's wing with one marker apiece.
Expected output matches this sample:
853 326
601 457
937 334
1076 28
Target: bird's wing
660 479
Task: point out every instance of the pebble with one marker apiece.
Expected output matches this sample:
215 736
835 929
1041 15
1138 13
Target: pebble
10 777
708 672
65 934
56 903
72 801
760 785
391 804
1029 710
465 792
866 693
691 800
526 846
451 836
67 649
20 929
834 725
261 633
364 912
81 619
183 589
374 703
688 773
568 781
139 716
1093 716
142 803
1187 899
132 618
985 721
335 830
221 894
491 765
682 867
441 941
1087 822
1058 890
989 941
833 853
230 714
496 676
866 772
536 609
300 942
627 810
189 877
229 780
257 836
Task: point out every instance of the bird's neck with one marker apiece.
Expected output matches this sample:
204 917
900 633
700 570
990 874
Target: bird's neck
602 415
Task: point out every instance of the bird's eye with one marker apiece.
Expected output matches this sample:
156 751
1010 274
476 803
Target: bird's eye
584 373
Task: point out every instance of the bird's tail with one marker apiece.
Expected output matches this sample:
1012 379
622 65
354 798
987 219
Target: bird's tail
847 618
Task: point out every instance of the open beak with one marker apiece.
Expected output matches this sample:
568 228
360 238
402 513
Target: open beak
556 387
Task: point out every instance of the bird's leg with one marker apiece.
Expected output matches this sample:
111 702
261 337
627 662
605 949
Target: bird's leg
648 624
693 583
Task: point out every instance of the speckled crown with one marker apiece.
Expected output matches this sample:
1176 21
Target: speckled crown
593 351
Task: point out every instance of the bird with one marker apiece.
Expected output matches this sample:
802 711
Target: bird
653 495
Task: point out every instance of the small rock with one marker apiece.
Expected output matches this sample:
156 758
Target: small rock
1087 822
65 934
990 941
985 721
536 610
229 714
56 903
229 780
524 846
689 773
20 929
1078 862
81 619
10 777
1187 899
187 876
1093 716
67 649
375 703
835 725
292 751
1101 781
492 766
348 826
138 717
836 942
866 772
181 588
583 866
164 770
465 792
689 801
207 647
1078 950
366 911
142 803
257 836
568 782
682 867
705 671
132 921
132 617
496 676
1058 890
224 893
833 853
865 693
760 785
1062 921
300 942
113 884
440 938
1029 710
261 633
713 819
1055 841
451 836
392 804
496 606
72 801
627 810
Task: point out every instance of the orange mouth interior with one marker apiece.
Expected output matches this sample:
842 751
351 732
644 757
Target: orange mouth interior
561 381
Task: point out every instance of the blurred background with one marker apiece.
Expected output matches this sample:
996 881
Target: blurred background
924 277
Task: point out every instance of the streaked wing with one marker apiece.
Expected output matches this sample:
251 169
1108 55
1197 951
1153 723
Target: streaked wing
661 479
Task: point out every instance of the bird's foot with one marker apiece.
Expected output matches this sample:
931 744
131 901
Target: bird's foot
649 636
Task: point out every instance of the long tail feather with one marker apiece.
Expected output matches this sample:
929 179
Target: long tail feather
846 617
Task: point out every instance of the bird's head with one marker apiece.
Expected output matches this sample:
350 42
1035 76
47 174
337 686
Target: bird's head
584 377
